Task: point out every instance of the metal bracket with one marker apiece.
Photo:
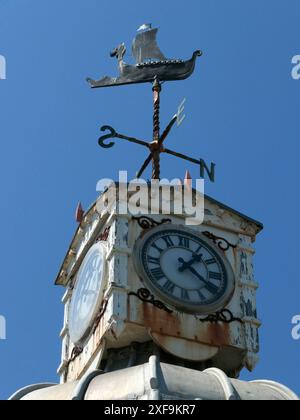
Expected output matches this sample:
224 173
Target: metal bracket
145 296
225 316
100 316
219 241
148 223
104 235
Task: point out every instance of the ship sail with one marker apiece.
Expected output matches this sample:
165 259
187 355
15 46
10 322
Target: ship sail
145 47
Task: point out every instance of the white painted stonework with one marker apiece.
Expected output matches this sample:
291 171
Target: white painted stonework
127 319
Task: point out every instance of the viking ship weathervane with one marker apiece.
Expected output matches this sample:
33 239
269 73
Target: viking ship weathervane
151 67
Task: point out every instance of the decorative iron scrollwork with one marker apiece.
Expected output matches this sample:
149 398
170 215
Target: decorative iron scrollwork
100 315
76 352
225 316
222 243
104 235
145 296
148 223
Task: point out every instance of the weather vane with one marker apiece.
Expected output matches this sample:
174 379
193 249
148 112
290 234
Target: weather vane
151 67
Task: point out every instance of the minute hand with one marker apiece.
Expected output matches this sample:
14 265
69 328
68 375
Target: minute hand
210 286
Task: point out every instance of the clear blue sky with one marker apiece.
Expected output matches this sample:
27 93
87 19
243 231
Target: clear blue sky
243 113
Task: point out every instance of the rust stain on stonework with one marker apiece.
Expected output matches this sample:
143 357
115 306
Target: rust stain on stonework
218 334
160 321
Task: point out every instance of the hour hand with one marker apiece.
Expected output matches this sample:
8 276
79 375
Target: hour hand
186 265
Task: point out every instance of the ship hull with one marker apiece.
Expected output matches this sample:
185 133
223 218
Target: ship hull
164 71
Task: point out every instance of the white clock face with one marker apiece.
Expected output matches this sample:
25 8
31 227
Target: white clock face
88 293
184 269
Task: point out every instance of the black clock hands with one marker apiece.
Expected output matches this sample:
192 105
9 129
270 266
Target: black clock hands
198 275
186 265
209 286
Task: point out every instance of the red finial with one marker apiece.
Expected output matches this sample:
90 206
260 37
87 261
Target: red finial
188 180
79 213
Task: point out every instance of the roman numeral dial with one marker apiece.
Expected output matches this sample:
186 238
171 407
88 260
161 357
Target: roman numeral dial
168 241
169 287
153 260
157 273
184 242
184 269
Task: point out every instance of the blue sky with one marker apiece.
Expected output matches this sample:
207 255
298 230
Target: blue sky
242 113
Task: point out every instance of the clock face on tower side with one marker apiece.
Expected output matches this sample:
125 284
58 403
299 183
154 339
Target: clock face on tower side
88 293
184 269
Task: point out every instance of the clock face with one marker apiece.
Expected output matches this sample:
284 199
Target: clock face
88 293
184 269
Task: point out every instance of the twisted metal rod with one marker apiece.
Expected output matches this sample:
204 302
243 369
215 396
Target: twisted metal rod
161 141
155 147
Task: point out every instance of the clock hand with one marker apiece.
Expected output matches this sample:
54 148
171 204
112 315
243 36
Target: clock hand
192 270
185 265
210 286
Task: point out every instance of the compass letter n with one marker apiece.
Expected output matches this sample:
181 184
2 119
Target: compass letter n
2 67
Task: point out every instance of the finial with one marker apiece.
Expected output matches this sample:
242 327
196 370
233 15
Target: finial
188 180
79 213
156 84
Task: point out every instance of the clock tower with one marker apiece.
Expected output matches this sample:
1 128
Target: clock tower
157 307
141 285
